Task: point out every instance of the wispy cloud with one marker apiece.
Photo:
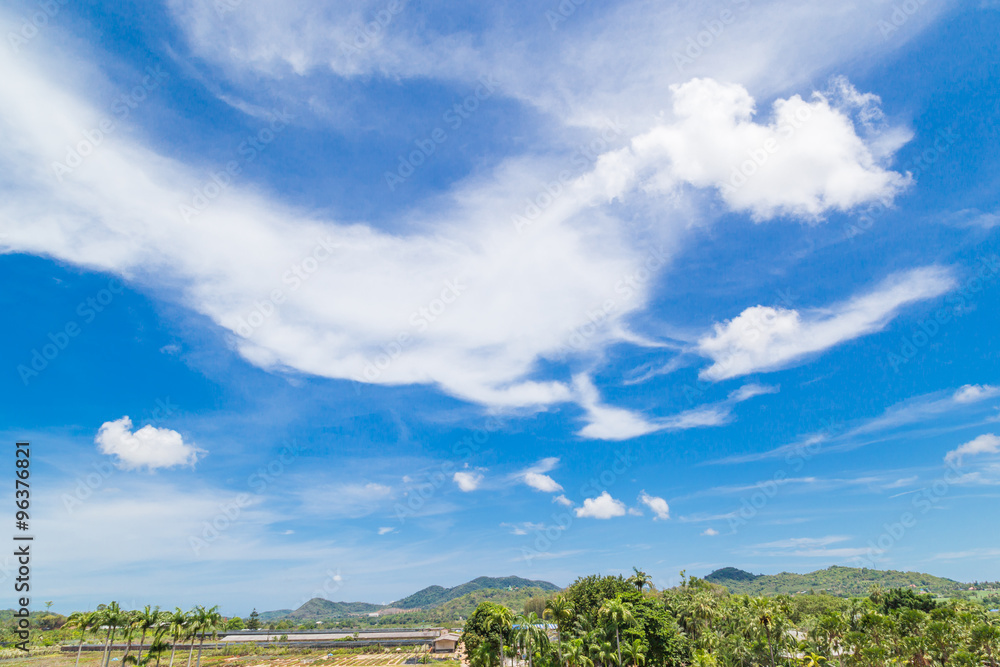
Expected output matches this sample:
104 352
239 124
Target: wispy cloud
764 338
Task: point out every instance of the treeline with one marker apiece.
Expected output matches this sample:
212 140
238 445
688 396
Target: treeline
618 622
165 630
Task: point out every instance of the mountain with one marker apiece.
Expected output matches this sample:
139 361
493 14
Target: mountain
433 602
318 608
835 580
436 595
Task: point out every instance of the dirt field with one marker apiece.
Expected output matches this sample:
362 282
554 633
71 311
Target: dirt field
298 658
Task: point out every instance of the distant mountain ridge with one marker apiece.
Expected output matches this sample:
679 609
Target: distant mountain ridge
435 595
427 598
835 580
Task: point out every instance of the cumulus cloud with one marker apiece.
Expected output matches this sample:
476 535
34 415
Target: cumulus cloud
988 443
972 393
536 478
467 481
710 532
808 160
149 447
601 507
562 500
763 338
657 505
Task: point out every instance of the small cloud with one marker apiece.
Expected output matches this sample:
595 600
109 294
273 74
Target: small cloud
385 530
149 447
634 511
407 479
987 443
523 528
467 481
563 500
288 532
601 507
536 478
542 482
658 505
710 532
170 349
748 391
972 393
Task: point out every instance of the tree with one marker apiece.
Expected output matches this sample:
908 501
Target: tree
635 652
253 622
502 619
617 613
146 619
112 616
560 610
639 579
177 623
206 621
530 635
84 620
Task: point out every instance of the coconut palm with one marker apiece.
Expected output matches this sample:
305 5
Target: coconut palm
84 620
617 614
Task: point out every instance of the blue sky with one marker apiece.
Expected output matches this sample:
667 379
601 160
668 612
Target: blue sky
348 300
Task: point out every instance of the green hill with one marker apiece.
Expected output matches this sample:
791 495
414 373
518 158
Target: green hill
836 580
436 595
433 604
318 608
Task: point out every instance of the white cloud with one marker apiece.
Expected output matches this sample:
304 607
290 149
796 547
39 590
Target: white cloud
604 422
763 338
536 478
748 391
710 532
601 507
563 500
657 505
385 530
149 447
467 481
987 443
972 393
541 482
808 160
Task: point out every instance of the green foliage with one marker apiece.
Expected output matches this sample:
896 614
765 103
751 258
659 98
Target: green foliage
436 595
836 580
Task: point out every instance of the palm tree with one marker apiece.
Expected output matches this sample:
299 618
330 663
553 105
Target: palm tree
635 652
177 622
764 617
144 620
501 619
605 652
131 618
639 579
113 617
208 621
85 620
560 610
576 654
617 613
531 634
